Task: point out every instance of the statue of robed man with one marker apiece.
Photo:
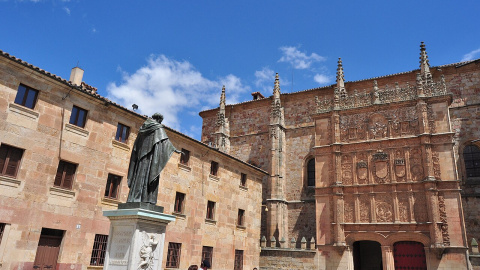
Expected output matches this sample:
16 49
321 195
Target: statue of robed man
151 151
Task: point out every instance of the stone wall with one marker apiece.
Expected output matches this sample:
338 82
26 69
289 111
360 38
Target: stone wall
276 259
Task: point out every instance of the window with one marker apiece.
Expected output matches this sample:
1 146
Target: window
238 260
78 116
10 160
173 255
471 157
207 254
122 133
26 96
99 249
179 201
210 210
65 174
214 168
243 180
184 157
113 185
2 229
311 172
241 217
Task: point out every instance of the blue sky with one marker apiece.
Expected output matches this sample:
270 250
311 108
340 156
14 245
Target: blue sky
174 56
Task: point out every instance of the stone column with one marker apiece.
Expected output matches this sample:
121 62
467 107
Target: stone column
137 237
387 257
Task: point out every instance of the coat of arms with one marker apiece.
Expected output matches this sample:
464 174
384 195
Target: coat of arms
362 171
380 166
400 169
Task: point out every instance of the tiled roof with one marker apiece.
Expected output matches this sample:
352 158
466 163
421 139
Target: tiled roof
84 88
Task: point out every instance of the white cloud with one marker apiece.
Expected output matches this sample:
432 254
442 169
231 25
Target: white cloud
94 30
264 79
471 55
172 88
322 79
67 10
298 59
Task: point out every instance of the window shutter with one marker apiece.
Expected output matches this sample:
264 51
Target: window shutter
69 173
59 176
3 157
14 161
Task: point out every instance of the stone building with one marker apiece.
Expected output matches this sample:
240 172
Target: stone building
64 153
369 174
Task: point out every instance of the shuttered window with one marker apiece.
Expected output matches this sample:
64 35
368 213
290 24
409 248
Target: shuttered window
238 260
179 202
10 160
65 174
113 185
173 255
210 210
99 249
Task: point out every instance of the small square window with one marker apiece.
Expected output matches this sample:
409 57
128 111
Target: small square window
214 168
78 116
184 157
173 255
122 133
207 254
243 180
210 210
241 217
99 249
179 203
10 160
65 174
113 186
26 96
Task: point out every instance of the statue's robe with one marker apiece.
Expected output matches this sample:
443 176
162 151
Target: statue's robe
151 151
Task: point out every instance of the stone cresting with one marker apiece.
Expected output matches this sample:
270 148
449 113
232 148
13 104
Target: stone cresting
425 87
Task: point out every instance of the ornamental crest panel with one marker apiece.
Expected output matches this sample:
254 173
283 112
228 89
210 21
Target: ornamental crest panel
365 209
416 166
378 126
349 210
399 165
380 167
347 170
403 208
362 169
383 209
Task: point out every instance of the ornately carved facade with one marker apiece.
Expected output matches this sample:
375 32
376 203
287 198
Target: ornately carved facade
385 171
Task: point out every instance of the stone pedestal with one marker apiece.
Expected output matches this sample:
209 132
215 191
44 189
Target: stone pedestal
137 236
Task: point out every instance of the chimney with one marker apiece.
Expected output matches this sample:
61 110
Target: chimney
257 95
76 76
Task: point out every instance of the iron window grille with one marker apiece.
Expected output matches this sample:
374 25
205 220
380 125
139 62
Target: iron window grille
99 249
471 158
214 168
207 254
113 185
122 133
26 96
173 255
210 210
179 202
65 174
184 157
238 260
241 217
78 117
243 180
10 160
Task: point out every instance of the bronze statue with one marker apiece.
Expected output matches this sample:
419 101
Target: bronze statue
151 151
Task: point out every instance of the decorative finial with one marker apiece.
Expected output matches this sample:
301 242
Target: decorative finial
222 97
424 62
340 75
276 88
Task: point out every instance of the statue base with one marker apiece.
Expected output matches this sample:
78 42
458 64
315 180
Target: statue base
137 236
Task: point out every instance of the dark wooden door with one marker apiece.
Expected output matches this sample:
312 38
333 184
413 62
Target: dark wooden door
47 252
409 255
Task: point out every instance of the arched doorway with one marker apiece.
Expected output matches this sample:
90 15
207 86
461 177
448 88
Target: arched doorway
367 255
409 255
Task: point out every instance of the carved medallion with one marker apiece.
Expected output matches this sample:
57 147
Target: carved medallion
384 212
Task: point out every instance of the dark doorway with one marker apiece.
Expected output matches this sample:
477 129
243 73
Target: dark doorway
409 255
367 255
48 249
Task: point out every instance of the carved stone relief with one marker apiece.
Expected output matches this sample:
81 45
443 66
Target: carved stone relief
431 119
347 170
383 209
364 209
436 165
377 126
380 167
443 219
420 208
399 165
416 166
403 208
349 210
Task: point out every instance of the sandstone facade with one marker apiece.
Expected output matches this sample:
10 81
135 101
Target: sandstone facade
32 205
389 169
